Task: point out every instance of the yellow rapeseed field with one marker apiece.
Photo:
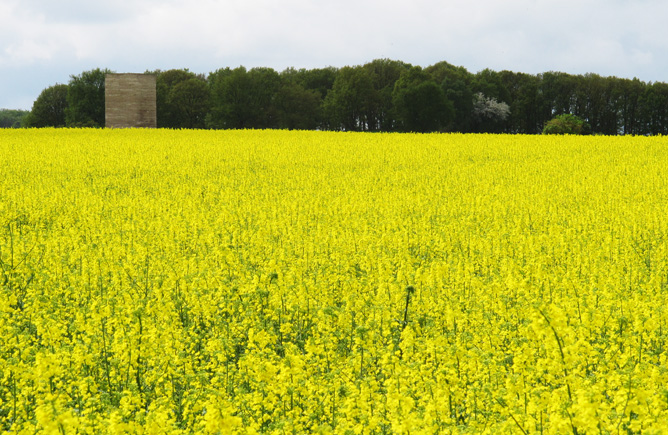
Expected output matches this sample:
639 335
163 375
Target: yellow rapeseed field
183 282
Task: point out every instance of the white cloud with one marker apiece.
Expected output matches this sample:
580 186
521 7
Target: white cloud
615 37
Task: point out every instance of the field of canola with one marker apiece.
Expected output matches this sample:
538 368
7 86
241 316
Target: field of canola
287 282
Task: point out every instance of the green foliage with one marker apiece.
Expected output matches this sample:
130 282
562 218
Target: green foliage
190 102
12 118
382 95
566 124
489 114
653 109
85 99
182 99
320 80
384 75
244 99
349 105
526 103
298 108
420 104
456 83
49 108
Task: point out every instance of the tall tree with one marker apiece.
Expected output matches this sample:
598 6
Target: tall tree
490 83
297 108
558 92
456 83
244 99
491 102
317 82
189 101
320 80
384 75
49 108
596 103
525 102
349 105
85 99
629 105
420 104
654 113
182 99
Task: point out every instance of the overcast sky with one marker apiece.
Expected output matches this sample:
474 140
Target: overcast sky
43 42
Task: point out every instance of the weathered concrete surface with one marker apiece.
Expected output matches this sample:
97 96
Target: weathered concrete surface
129 101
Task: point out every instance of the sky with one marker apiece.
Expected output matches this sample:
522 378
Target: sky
44 42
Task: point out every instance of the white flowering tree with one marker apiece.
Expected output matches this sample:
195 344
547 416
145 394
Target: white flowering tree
488 113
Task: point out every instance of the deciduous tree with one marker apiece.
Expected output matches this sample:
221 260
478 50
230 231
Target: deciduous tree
384 75
489 113
244 99
85 99
349 105
297 108
12 118
49 108
420 104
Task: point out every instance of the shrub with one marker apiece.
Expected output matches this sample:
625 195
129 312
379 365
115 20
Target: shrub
566 124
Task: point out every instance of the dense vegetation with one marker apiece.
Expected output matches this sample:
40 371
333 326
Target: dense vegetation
566 124
12 118
382 95
286 282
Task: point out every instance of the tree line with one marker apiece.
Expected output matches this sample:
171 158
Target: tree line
12 118
382 95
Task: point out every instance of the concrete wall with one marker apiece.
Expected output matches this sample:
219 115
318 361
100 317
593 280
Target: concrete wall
129 101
